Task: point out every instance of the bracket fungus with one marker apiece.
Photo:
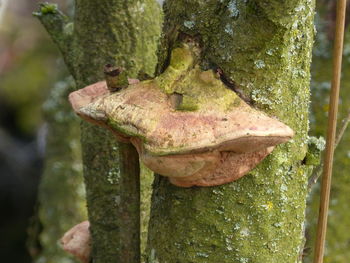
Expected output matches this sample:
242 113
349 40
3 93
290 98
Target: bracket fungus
76 241
185 124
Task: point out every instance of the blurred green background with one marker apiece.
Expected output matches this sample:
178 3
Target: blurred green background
31 66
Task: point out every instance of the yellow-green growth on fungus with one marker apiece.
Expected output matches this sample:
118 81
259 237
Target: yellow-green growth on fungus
197 87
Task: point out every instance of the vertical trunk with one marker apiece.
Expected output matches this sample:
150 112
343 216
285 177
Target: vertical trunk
124 33
265 48
61 191
130 194
146 177
112 32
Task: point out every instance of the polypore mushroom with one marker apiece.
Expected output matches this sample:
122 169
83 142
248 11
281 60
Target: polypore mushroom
76 241
185 124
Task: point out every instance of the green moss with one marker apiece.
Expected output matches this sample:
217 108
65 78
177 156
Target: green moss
198 88
180 63
127 130
61 191
315 148
188 104
60 30
181 58
258 218
146 193
130 37
46 8
126 35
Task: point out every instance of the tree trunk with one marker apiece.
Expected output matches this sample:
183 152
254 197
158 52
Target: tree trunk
264 47
123 33
61 191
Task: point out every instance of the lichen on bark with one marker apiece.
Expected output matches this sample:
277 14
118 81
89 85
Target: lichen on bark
110 32
61 192
264 47
122 33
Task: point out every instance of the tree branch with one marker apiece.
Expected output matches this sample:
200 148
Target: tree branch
59 27
340 135
318 170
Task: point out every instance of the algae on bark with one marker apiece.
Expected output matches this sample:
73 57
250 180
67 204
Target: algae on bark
146 180
265 48
109 32
61 192
122 33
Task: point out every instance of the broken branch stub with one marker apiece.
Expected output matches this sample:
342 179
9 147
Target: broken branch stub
116 78
185 124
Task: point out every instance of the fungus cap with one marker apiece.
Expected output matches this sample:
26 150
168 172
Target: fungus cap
185 124
144 112
76 241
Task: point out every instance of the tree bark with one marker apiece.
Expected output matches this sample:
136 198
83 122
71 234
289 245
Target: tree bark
61 192
123 33
264 47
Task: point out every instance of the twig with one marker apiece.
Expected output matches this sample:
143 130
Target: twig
318 170
60 29
332 123
341 132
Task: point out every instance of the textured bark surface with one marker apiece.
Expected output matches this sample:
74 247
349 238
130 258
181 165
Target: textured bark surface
116 32
123 33
265 48
130 195
61 192
146 178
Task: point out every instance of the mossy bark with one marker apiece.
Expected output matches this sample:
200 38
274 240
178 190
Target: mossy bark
123 33
338 237
264 47
146 178
61 191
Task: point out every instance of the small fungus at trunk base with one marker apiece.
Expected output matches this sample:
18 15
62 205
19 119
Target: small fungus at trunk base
76 241
185 124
